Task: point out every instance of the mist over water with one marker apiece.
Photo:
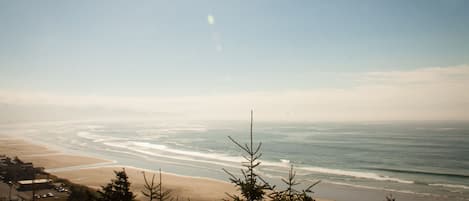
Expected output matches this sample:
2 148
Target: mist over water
425 158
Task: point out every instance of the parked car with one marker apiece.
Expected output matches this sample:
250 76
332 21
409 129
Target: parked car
60 189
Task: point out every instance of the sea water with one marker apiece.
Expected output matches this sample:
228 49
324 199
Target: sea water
425 158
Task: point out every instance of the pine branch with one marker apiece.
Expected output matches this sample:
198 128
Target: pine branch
239 145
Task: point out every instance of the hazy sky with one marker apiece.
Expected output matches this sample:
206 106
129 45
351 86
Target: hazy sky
297 60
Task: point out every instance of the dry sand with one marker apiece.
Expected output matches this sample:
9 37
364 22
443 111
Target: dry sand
184 187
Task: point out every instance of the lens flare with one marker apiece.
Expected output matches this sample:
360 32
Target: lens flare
210 19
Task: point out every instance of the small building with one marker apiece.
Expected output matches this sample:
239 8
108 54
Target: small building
25 185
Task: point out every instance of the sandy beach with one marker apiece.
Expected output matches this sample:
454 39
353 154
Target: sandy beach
267 100
95 172
41 156
198 189
184 187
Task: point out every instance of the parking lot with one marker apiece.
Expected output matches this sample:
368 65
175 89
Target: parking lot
44 194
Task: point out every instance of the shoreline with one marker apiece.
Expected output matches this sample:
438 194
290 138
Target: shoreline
182 186
94 172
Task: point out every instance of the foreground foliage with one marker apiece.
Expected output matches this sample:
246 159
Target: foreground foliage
254 188
291 194
81 193
390 198
118 189
155 191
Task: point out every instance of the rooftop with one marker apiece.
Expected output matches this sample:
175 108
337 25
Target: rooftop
36 181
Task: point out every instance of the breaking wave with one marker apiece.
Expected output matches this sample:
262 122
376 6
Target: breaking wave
234 161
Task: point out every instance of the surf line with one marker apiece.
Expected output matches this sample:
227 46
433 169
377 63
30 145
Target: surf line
79 167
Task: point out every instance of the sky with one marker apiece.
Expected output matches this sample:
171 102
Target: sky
287 60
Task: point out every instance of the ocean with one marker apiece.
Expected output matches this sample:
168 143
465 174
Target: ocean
422 158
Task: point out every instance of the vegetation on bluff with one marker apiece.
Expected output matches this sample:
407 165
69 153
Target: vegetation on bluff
118 189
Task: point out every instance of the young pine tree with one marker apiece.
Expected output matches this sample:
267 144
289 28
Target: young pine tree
290 194
252 186
390 198
155 191
150 189
118 189
81 193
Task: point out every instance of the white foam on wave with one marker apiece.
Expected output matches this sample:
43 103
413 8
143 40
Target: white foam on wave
378 188
211 156
180 130
149 158
230 161
149 145
451 186
142 150
95 137
93 127
214 156
89 136
162 151
356 174
285 161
